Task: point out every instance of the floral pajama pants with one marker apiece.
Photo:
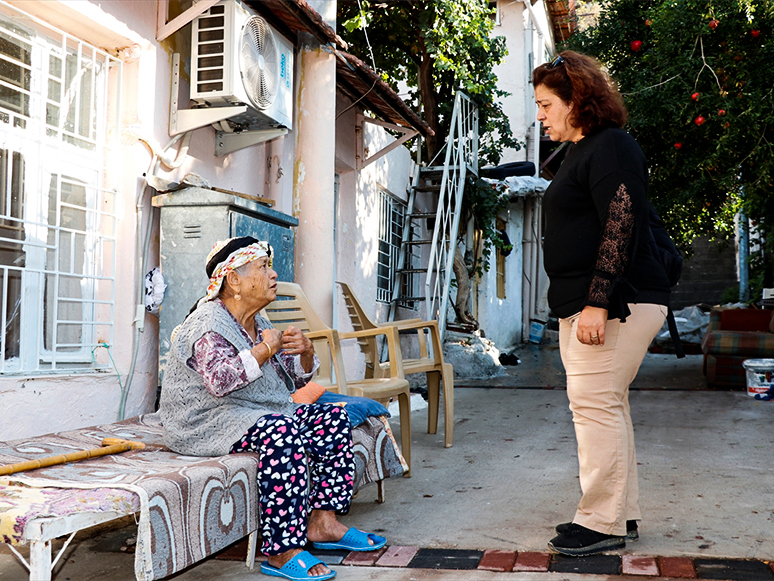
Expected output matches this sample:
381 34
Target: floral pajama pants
287 492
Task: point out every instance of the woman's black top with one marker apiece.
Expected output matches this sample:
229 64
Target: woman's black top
596 249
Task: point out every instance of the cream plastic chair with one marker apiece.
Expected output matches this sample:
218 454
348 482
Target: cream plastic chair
433 365
293 308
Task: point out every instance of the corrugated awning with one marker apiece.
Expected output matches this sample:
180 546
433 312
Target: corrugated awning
293 16
360 83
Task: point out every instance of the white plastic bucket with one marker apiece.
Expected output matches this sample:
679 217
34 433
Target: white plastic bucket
536 331
760 375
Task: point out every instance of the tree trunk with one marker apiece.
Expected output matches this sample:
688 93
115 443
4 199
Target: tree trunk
462 304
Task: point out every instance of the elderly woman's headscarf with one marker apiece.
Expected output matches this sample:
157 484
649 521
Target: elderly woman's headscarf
228 255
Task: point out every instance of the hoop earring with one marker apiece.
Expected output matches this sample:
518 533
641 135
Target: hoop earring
237 297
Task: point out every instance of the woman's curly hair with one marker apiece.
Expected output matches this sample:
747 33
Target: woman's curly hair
580 81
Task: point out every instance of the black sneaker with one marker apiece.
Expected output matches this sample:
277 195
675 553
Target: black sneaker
578 541
631 530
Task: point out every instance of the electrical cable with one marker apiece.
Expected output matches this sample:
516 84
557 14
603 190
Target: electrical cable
143 245
106 347
364 26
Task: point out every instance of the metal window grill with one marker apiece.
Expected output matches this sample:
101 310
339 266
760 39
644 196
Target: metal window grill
57 212
391 217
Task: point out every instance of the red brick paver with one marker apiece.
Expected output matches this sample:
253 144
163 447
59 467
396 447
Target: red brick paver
634 565
497 560
397 556
363 558
532 562
677 567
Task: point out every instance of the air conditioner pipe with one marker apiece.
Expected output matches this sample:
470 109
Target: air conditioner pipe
143 245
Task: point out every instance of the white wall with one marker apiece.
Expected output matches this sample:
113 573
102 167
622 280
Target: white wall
529 39
512 75
526 50
127 29
501 318
358 219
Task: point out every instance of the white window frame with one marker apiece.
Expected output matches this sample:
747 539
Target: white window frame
82 83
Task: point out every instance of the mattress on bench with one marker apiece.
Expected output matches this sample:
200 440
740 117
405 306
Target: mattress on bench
190 507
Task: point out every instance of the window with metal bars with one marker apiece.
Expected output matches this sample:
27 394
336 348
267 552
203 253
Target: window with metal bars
57 217
392 216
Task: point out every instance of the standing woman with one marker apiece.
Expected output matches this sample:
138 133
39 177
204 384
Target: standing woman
609 292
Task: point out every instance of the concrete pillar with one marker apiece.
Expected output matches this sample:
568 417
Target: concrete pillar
314 172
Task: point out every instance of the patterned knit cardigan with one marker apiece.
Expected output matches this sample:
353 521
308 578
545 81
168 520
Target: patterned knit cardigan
196 423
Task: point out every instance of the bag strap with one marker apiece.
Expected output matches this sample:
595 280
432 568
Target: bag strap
674 334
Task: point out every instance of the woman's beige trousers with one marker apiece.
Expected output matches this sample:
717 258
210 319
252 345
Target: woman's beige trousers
598 378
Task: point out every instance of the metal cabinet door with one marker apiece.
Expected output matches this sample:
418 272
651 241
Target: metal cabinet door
281 239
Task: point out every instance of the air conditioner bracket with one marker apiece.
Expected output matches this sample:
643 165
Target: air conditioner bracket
362 159
226 143
182 120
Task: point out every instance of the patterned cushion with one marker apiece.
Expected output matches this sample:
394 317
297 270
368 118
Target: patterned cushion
738 343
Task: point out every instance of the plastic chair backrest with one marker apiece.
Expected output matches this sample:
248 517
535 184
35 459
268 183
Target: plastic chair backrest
292 307
360 321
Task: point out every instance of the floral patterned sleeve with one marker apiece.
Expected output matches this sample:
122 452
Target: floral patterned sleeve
221 366
225 370
613 255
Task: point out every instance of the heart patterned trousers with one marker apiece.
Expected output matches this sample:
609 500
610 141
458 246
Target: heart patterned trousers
288 485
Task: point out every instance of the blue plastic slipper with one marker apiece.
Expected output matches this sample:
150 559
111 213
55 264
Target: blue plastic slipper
297 569
354 540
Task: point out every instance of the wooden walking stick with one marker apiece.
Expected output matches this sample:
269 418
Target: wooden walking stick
109 446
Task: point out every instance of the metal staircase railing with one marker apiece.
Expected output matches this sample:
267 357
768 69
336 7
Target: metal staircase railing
461 156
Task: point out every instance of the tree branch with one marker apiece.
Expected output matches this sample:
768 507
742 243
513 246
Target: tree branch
704 61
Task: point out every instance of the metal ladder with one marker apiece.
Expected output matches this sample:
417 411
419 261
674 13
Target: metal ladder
449 181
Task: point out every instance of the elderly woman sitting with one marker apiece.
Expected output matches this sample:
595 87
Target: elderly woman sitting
228 388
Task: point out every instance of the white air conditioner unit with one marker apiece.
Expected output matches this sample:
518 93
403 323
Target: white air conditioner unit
237 58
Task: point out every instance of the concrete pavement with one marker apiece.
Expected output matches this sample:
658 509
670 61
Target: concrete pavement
706 477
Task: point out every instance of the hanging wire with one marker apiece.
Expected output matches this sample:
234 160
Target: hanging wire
364 26
106 347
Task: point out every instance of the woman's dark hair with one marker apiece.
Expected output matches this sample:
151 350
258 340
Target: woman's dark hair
578 79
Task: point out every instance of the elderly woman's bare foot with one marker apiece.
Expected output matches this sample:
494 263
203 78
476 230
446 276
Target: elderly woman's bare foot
323 526
278 561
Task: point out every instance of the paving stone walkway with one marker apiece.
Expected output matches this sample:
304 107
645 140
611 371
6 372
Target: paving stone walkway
538 562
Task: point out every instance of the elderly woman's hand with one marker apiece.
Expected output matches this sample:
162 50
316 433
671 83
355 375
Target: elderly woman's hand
271 343
294 342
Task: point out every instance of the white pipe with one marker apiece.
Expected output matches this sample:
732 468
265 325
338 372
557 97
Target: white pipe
543 36
143 245
526 277
537 214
